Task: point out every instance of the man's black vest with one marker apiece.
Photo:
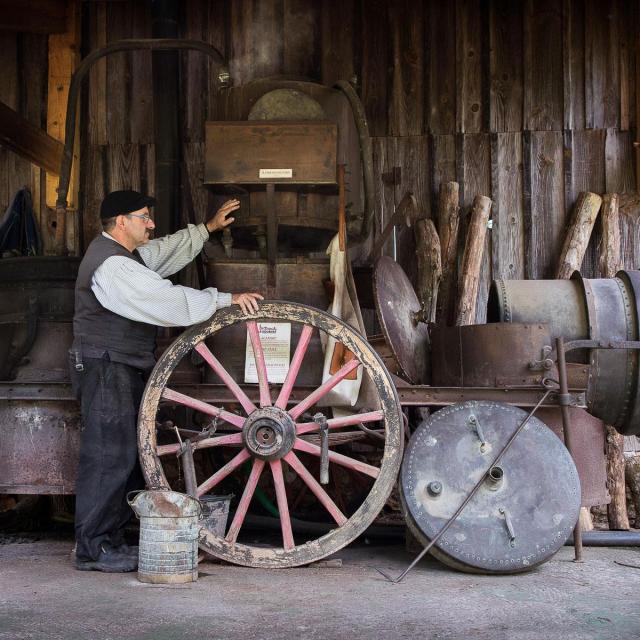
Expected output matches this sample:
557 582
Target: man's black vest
98 331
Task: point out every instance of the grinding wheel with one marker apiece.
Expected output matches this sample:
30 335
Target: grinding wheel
524 512
397 304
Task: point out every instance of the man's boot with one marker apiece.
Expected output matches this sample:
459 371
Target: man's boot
110 560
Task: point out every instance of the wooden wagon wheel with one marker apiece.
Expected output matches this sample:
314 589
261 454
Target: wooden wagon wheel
270 432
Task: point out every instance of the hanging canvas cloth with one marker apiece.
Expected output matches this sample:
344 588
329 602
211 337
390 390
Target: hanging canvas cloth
346 307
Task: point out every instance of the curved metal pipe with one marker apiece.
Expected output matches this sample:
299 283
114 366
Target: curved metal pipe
72 104
366 153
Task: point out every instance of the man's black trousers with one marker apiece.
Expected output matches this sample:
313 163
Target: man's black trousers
110 394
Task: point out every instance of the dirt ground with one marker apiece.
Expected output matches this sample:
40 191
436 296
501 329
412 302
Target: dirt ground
42 596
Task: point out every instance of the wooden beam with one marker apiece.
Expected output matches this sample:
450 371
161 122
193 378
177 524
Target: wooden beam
33 16
29 141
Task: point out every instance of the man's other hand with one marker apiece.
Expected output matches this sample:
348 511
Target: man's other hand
220 220
248 302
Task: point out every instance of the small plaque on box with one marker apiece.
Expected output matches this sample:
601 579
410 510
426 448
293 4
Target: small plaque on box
276 346
266 174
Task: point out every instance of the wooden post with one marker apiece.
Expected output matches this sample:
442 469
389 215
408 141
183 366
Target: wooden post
610 263
448 223
472 260
632 477
429 267
584 217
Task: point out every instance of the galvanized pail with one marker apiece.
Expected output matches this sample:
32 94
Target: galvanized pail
215 511
169 525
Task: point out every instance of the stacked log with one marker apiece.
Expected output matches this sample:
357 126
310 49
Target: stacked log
472 261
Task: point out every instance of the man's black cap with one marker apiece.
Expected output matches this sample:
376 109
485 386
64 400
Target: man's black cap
119 203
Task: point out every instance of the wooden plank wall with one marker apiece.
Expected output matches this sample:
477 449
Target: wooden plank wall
23 87
526 101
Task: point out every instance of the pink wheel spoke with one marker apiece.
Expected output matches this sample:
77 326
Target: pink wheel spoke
231 439
336 423
243 506
315 487
294 367
223 472
283 505
166 449
225 376
322 390
198 405
261 365
219 441
338 458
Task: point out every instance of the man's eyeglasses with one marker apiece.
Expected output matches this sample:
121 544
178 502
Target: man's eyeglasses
145 218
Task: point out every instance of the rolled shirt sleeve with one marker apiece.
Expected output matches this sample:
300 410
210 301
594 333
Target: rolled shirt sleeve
134 291
167 255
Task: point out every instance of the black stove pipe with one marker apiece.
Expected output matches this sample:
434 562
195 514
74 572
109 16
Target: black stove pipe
166 119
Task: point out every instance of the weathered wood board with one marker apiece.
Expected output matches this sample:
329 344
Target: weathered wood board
544 208
507 233
543 96
441 56
506 30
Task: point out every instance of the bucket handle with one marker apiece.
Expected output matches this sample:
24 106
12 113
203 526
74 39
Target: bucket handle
131 500
135 493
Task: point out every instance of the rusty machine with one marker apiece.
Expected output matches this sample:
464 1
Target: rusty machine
250 405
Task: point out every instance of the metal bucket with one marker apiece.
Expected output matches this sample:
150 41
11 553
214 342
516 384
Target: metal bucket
581 309
169 526
215 511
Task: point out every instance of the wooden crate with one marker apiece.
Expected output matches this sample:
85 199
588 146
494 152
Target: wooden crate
281 153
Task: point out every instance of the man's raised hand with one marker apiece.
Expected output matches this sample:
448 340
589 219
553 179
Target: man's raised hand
220 220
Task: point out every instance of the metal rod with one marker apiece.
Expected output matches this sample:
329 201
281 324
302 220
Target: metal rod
566 428
189 469
468 498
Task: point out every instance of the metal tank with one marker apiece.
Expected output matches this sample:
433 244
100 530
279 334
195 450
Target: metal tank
39 418
605 310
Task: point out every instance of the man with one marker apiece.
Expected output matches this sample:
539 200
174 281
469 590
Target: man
121 297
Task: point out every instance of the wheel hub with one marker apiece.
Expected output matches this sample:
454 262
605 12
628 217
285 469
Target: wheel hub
269 433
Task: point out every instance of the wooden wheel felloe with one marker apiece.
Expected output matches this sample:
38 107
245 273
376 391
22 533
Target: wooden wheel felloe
271 433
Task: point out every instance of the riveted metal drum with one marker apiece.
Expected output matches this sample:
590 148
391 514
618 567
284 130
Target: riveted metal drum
169 526
527 506
578 309
558 303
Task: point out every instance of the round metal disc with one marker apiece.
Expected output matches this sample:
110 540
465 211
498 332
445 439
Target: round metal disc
396 302
513 523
